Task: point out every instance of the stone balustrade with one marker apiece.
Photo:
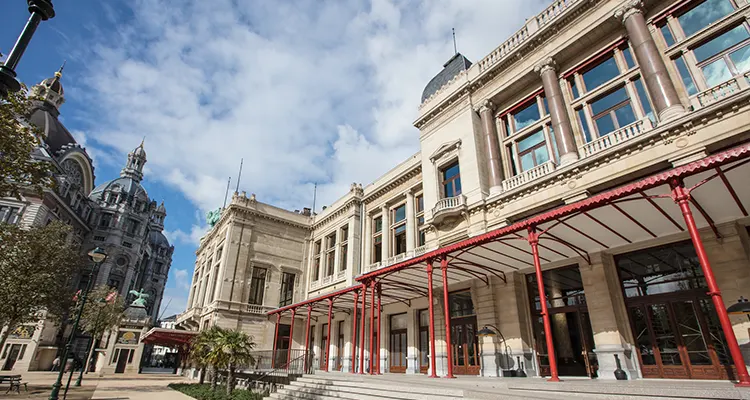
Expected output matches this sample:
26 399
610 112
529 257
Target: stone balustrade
621 135
258 309
529 175
721 91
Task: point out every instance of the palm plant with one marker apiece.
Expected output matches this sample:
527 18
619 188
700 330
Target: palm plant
236 347
206 353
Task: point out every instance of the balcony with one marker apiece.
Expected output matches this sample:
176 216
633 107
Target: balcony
721 91
613 139
529 175
258 309
448 207
421 250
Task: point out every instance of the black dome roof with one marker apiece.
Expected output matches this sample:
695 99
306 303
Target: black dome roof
453 67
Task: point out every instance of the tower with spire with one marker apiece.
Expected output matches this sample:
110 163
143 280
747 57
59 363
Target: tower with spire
134 167
50 90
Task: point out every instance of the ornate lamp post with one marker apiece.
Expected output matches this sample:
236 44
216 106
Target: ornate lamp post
41 10
98 255
101 303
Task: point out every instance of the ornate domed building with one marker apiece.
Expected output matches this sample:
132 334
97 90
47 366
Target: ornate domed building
116 215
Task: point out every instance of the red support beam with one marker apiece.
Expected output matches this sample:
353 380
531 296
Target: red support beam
354 333
275 340
307 337
328 335
681 196
291 339
372 325
380 325
534 242
432 320
362 331
447 314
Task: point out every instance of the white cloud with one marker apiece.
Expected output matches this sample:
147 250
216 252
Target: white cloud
192 238
304 91
182 278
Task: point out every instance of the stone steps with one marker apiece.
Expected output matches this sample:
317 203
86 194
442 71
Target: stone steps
356 388
661 390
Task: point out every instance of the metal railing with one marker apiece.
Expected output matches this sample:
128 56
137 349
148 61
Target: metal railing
271 368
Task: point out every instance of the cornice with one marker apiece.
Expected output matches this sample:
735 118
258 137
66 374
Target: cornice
394 183
346 207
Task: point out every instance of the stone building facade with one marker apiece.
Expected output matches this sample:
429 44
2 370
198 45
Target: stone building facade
117 216
596 156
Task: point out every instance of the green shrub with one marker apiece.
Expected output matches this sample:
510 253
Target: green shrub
204 392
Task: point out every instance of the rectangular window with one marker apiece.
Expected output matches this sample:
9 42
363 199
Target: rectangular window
399 242
687 78
133 226
526 116
725 55
451 180
106 220
257 286
584 124
331 254
573 88
645 103
9 215
628 57
421 235
377 249
316 264
419 203
612 112
603 72
704 15
532 150
287 289
399 213
378 222
525 113
667 34
344 248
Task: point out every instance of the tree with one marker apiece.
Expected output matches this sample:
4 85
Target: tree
18 138
35 270
237 347
204 351
102 312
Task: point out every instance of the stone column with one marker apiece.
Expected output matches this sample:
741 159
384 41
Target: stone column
337 253
411 222
386 232
492 143
558 110
654 71
367 240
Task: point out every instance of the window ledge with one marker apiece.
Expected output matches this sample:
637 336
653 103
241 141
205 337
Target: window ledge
538 124
614 138
418 251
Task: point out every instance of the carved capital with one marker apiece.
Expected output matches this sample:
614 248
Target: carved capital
629 8
486 105
545 65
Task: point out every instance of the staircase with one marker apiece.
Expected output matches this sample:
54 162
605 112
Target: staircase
352 387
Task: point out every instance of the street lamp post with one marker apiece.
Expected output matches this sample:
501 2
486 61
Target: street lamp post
98 256
102 303
41 10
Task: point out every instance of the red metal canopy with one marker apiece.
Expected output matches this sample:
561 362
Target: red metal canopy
168 337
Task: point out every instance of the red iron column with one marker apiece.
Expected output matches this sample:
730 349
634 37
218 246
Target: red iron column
380 326
328 338
275 340
534 241
362 332
372 326
447 313
291 339
681 196
307 338
354 333
432 320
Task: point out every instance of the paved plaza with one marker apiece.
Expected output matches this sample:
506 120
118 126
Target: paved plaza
112 387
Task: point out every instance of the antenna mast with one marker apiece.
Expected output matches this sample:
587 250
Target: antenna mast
315 195
239 176
226 192
455 48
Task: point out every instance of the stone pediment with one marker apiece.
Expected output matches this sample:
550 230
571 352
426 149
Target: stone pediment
444 149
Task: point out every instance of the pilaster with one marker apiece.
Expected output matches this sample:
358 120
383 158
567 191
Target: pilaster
411 222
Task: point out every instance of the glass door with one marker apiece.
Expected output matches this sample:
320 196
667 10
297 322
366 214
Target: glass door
397 343
465 346
424 341
340 347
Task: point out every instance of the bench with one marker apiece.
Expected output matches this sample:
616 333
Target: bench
14 382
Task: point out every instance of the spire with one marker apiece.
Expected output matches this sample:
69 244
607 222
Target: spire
136 160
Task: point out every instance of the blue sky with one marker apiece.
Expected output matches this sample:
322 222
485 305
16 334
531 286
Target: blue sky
305 91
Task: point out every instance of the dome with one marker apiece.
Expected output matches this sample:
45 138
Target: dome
158 238
123 184
453 67
44 116
54 84
140 151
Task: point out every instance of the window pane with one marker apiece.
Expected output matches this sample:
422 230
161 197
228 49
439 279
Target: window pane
573 87
448 190
605 124
628 57
600 74
584 125
554 142
703 15
420 204
399 229
450 172
527 161
716 72
741 59
378 224
625 115
687 79
507 125
721 43
400 213
530 141
527 116
542 155
546 107
667 35
644 100
609 101
457 184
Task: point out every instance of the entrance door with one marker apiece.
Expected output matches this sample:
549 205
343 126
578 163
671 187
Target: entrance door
283 345
323 346
424 341
569 321
122 360
340 347
397 343
12 357
464 344
674 323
